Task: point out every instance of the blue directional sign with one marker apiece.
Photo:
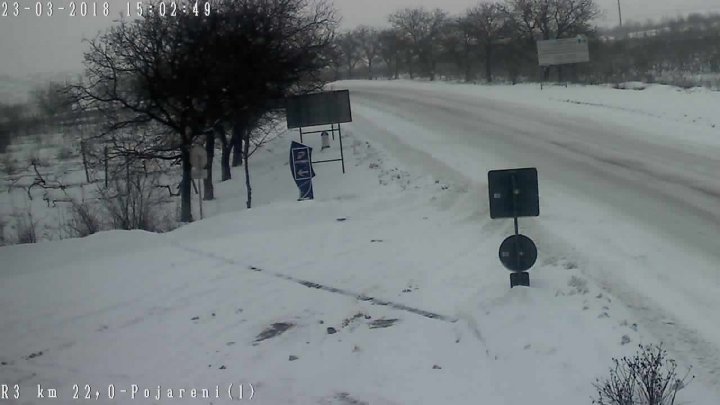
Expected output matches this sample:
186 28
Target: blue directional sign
301 166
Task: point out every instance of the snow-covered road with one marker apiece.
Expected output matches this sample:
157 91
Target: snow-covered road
638 197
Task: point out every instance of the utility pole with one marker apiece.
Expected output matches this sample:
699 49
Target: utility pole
620 13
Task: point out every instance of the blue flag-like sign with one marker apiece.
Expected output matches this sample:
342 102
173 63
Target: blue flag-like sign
301 166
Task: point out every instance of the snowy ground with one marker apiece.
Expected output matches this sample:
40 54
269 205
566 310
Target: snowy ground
399 258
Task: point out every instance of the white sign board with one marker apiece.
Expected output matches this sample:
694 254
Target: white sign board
198 157
198 161
563 51
198 174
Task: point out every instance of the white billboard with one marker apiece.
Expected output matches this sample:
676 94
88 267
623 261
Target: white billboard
563 51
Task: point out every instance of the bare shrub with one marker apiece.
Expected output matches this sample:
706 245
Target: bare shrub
25 227
647 378
84 219
9 165
137 202
3 241
65 153
37 160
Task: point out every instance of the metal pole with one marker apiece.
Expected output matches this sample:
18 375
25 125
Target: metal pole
127 186
342 155
620 13
515 194
301 135
106 167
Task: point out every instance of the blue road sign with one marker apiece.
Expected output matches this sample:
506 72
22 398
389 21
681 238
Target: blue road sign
301 166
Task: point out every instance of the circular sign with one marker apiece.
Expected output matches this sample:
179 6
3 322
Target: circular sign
198 157
518 253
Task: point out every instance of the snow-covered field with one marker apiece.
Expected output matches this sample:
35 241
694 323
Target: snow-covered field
58 160
387 288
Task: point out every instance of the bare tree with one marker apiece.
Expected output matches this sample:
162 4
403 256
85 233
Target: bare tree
553 18
53 99
390 43
422 29
349 46
147 73
368 39
488 23
265 50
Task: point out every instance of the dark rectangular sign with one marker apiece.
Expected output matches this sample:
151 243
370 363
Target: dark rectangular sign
514 193
332 107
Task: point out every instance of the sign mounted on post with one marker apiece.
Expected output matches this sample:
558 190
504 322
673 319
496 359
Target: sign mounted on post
301 166
514 193
563 51
514 198
198 161
518 253
331 107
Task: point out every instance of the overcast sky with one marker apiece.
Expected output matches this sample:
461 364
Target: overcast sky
30 44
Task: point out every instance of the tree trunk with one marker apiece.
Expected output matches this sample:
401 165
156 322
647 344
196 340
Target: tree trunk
370 70
83 151
467 64
410 65
488 63
225 164
225 148
247 170
186 186
210 150
397 67
237 154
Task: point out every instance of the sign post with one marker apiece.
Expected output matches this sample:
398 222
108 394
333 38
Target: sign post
302 171
325 138
514 193
198 161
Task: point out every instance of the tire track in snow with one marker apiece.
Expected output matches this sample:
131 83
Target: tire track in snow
334 290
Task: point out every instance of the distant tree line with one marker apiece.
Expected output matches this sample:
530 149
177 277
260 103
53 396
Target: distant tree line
49 105
497 41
